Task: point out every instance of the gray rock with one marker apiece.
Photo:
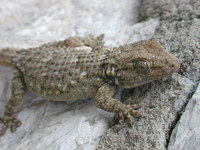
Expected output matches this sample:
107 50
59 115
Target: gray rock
178 31
49 125
186 135
162 100
170 10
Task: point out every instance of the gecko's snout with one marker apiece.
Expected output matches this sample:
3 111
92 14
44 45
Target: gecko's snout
174 65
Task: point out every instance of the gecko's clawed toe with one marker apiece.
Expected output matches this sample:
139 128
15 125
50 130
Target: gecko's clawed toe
136 106
128 113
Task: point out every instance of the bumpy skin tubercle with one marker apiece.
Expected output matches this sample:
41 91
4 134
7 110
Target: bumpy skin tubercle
82 67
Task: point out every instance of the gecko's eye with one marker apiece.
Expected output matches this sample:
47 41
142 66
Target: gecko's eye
142 65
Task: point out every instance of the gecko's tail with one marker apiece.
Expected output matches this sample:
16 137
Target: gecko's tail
6 57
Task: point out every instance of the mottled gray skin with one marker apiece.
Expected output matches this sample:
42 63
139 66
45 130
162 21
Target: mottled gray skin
82 67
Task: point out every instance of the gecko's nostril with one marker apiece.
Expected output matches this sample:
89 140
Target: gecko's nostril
175 65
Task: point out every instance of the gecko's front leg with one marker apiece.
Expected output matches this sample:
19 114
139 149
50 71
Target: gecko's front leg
104 100
9 119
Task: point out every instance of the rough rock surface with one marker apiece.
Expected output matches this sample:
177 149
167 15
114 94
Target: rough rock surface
50 125
179 32
186 135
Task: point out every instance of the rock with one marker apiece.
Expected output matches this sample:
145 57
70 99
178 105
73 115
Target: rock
178 31
170 10
186 134
179 26
162 100
50 125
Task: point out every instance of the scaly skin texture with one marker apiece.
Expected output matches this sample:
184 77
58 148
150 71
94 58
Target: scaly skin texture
82 67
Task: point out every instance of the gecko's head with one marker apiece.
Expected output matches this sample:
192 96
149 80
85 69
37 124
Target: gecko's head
139 63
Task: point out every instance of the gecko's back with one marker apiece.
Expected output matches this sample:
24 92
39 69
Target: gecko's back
57 72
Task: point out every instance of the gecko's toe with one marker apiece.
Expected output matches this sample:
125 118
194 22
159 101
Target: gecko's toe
135 106
128 112
11 122
3 127
117 120
15 123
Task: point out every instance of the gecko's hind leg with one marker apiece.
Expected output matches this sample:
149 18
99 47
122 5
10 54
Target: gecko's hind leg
9 118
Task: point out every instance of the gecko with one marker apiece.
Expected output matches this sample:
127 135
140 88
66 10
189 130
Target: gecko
83 67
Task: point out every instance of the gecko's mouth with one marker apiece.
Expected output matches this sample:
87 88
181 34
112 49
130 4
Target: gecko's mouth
173 67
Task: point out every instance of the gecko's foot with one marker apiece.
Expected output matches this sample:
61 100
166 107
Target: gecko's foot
9 121
128 112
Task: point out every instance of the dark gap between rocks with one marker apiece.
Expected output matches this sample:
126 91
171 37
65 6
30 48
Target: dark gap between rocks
178 115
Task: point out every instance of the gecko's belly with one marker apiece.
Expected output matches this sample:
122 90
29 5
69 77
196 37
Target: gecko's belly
81 90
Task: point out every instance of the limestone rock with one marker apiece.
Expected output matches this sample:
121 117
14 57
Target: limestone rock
186 134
